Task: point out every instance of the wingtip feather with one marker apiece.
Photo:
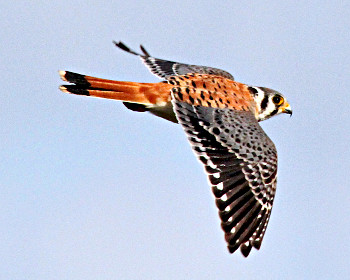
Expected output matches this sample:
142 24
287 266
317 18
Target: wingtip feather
63 89
62 74
122 46
73 89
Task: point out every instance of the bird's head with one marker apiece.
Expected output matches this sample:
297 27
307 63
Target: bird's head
269 103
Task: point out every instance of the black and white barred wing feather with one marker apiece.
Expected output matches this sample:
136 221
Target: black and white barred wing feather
166 68
241 162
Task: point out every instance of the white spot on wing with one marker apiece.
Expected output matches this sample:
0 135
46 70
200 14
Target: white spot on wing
202 150
220 186
211 164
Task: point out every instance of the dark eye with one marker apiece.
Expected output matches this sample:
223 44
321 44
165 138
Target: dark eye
277 99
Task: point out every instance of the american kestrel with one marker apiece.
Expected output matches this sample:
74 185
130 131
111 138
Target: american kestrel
220 118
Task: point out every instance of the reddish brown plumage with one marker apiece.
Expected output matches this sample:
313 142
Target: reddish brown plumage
196 89
144 93
212 91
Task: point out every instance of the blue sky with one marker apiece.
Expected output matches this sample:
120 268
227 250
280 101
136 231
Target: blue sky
90 190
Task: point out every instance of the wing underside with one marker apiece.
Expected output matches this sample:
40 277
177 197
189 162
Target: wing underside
243 195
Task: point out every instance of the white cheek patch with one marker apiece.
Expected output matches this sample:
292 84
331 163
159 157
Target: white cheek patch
259 96
269 109
264 99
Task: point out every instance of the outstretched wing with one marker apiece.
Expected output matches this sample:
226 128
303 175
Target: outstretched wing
165 68
241 162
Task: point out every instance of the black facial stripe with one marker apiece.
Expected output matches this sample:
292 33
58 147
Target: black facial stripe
264 103
253 90
274 112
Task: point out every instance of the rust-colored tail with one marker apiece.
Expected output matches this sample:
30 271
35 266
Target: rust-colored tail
142 93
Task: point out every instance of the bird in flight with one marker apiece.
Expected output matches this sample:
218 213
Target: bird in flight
221 120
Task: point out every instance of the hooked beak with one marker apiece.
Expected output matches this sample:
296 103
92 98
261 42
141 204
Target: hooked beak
287 109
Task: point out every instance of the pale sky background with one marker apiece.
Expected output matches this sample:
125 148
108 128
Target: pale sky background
90 190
